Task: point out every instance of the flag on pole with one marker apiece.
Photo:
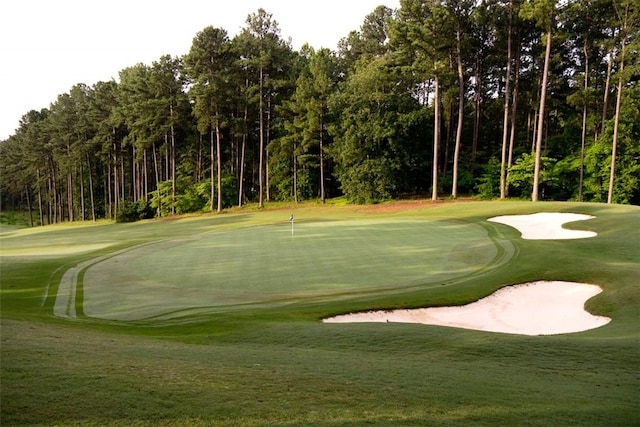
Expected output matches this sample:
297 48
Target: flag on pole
291 221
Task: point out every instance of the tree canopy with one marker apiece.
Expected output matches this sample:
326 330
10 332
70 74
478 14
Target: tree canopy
531 98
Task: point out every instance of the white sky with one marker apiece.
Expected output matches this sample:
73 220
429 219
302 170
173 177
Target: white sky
47 46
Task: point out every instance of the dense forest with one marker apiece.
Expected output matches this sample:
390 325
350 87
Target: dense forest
497 98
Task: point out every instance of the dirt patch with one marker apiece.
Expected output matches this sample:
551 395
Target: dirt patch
408 205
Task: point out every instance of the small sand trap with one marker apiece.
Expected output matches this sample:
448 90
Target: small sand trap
537 308
545 225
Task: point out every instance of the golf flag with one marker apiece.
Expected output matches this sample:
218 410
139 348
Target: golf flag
291 221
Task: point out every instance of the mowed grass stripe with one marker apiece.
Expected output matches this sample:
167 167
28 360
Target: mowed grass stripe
268 263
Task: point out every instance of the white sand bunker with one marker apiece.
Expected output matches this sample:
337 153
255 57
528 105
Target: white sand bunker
537 308
545 225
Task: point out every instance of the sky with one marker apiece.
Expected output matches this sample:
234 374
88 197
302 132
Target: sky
47 46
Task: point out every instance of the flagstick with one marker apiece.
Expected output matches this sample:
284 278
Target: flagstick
291 220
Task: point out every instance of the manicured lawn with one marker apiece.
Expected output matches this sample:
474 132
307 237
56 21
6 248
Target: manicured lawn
267 265
215 320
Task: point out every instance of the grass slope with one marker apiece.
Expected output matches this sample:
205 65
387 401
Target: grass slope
276 364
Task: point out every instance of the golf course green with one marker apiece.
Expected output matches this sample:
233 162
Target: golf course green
217 319
268 264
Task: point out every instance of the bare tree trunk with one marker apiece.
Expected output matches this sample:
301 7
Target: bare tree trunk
584 118
26 193
616 119
456 154
295 173
322 193
605 101
615 142
108 196
91 196
41 213
505 123
199 164
514 110
436 138
156 169
244 144
219 166
145 176
173 164
241 180
82 203
123 192
69 186
476 118
267 141
212 157
261 165
543 97
134 174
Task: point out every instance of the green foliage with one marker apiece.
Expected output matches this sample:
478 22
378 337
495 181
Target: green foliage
374 148
319 118
369 181
598 156
488 186
193 198
521 175
189 198
134 211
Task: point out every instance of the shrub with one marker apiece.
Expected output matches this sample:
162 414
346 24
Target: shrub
133 211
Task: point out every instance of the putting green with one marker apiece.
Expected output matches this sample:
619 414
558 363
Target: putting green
269 265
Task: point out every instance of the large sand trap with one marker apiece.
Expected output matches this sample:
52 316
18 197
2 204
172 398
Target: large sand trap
538 308
545 225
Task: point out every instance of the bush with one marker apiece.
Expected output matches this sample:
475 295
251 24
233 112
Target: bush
133 211
488 186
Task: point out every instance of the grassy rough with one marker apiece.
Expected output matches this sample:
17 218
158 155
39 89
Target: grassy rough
278 365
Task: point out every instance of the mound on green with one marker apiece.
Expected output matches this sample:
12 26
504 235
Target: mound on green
267 265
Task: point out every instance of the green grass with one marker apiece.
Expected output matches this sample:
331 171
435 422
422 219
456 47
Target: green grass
254 352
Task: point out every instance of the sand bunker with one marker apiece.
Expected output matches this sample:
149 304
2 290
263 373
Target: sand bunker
538 308
545 225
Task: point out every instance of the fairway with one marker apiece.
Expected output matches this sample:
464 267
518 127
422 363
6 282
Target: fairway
271 265
219 319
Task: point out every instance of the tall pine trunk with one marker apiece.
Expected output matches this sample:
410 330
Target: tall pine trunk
543 97
82 202
616 119
505 120
212 158
173 163
456 154
436 137
605 100
583 136
514 110
40 197
322 193
219 165
476 111
156 170
261 164
69 186
26 193
91 192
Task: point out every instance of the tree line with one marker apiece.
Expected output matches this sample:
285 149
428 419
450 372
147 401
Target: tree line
496 98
